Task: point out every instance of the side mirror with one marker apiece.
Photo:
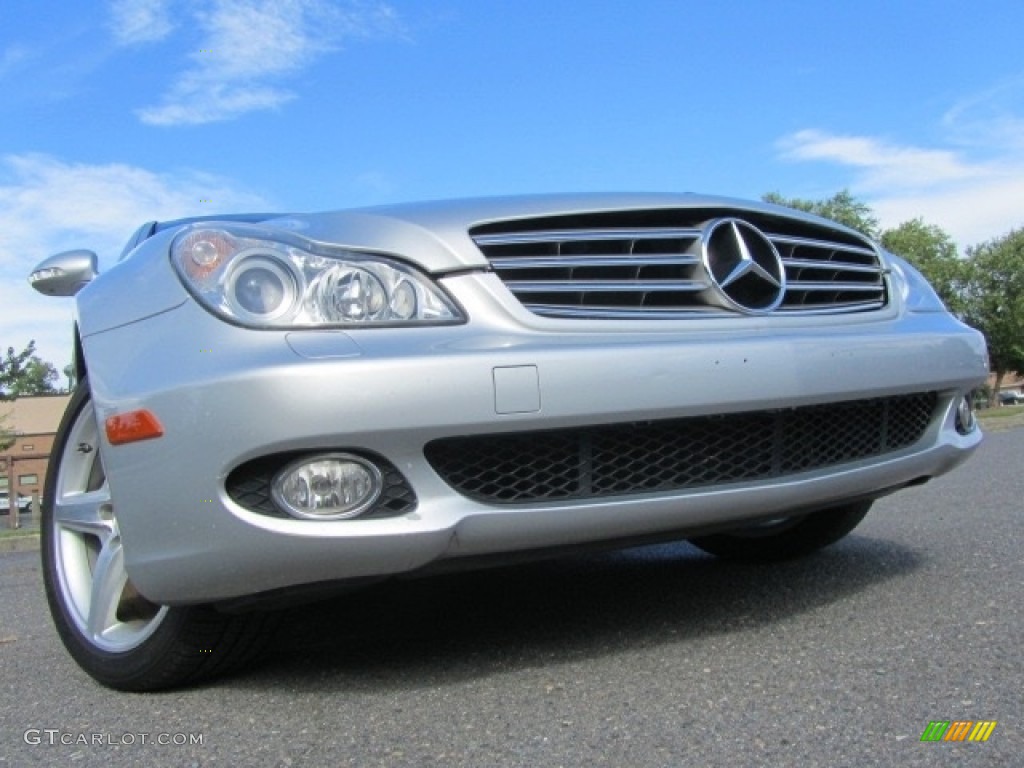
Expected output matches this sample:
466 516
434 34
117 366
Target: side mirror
64 274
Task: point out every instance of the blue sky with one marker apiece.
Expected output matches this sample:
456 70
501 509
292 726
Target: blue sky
113 113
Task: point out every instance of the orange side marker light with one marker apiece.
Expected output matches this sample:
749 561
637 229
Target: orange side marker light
132 427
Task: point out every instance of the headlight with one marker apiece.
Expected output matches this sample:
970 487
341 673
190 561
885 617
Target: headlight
260 282
916 292
260 288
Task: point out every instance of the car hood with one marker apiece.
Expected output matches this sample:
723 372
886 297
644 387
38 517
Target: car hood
436 235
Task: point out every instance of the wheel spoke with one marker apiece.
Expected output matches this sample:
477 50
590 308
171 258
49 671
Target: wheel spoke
91 577
86 513
108 582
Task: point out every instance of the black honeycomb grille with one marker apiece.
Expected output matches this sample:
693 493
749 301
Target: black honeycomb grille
249 486
677 454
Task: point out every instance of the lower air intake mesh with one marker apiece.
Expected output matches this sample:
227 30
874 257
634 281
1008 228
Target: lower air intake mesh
642 457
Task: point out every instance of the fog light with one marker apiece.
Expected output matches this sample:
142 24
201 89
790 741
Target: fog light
332 486
965 420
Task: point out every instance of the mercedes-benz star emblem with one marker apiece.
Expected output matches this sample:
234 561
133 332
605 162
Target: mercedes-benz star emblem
744 266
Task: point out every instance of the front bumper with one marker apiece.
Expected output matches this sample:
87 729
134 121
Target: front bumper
226 395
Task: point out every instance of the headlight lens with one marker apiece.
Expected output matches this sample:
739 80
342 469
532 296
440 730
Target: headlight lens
260 288
280 283
347 294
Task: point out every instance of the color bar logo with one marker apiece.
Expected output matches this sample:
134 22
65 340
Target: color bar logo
958 730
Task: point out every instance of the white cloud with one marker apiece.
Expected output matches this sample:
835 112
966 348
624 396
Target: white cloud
971 213
48 205
133 22
882 165
193 102
29 316
971 185
972 200
991 118
45 199
248 46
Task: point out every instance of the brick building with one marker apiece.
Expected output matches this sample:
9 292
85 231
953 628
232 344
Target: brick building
33 422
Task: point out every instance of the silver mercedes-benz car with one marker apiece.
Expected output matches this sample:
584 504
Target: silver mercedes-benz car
273 406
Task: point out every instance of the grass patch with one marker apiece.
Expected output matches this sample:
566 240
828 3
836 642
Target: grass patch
1002 419
13 533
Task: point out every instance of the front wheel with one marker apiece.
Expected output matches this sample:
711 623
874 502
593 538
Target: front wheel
114 633
787 537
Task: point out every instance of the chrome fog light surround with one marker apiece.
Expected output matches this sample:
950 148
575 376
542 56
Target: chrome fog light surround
327 486
966 422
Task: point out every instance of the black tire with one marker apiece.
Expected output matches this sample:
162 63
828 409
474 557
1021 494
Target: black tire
115 634
785 538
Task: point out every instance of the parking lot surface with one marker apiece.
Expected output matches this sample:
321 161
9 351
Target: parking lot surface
659 656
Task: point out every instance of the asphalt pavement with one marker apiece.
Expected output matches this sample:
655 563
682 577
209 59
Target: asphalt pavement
652 657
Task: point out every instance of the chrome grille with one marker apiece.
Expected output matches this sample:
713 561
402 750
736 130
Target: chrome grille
598 270
678 454
829 276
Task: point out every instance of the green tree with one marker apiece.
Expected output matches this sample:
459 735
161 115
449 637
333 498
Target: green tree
995 300
842 207
6 436
932 251
23 373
